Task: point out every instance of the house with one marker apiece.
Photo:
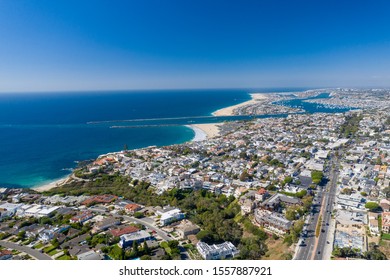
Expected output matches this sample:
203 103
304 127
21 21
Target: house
186 228
373 222
272 221
78 249
105 224
5 255
32 231
386 222
4 214
247 206
122 231
261 194
225 250
275 202
40 210
90 255
82 217
131 208
171 216
9 209
305 178
48 234
384 203
127 240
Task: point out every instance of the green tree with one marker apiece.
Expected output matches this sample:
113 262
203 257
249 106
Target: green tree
145 248
374 254
135 250
252 248
287 180
138 215
372 206
55 242
316 176
22 234
291 213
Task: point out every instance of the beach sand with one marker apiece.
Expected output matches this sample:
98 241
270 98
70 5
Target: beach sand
51 185
205 131
228 111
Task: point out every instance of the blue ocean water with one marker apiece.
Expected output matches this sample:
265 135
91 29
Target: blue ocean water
43 134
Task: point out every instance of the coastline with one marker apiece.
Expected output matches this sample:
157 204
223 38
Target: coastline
202 132
205 131
52 185
228 111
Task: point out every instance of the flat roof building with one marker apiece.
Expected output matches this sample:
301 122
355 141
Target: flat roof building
225 250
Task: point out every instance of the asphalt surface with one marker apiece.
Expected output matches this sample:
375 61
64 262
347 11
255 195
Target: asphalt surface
32 252
312 247
327 208
306 249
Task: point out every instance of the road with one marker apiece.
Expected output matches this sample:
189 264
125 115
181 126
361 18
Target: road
305 252
313 248
327 208
32 252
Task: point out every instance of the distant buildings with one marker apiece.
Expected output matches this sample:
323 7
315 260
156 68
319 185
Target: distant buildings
225 250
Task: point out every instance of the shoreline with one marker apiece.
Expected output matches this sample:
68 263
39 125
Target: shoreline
51 185
256 97
205 131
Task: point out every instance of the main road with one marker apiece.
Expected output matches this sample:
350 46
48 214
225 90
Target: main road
32 252
313 247
327 208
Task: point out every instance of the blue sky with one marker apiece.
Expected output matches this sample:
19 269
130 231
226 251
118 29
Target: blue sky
88 45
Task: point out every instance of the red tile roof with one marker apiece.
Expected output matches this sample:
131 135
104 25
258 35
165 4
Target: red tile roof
122 231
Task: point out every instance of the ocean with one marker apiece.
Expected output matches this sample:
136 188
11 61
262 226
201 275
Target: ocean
43 135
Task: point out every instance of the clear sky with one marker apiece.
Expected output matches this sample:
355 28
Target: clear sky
147 44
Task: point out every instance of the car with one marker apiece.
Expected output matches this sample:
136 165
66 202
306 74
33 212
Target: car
319 252
327 224
322 230
302 243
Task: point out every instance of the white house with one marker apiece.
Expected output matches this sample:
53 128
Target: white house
170 216
217 251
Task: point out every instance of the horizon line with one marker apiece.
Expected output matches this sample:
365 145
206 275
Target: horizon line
188 89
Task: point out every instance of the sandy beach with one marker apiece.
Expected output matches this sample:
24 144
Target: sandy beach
228 111
51 185
205 131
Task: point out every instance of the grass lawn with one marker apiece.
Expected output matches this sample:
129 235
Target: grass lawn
38 246
49 249
277 250
386 236
64 258
53 252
